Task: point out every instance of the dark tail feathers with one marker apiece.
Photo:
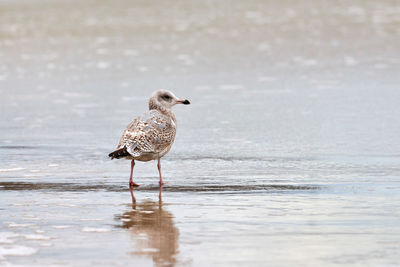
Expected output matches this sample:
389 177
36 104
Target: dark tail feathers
119 153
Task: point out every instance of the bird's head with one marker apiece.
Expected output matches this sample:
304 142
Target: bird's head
165 99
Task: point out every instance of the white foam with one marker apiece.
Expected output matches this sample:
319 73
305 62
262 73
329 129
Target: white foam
19 225
16 251
37 237
95 230
6 237
61 226
53 165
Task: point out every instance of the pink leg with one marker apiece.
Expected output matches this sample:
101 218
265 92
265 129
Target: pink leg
159 171
131 183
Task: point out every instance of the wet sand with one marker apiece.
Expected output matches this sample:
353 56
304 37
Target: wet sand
288 155
78 225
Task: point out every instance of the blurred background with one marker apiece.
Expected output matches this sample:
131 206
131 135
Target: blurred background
300 77
303 95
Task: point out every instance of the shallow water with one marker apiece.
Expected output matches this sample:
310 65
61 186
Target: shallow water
288 155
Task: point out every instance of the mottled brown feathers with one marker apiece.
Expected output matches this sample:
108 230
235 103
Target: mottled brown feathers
153 132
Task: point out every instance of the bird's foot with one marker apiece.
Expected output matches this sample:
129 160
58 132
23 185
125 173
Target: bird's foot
161 183
133 184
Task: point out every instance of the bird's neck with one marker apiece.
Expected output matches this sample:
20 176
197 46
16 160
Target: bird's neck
166 111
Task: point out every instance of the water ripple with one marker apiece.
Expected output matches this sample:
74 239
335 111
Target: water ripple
80 187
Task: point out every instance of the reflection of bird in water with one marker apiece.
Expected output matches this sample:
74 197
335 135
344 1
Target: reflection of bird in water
150 136
149 218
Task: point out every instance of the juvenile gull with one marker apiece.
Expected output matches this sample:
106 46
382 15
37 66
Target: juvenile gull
150 136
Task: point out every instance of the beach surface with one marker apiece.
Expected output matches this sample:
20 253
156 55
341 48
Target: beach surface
288 155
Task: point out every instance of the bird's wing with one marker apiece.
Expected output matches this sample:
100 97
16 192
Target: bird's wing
150 133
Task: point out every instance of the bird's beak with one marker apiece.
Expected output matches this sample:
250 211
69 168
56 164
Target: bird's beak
183 101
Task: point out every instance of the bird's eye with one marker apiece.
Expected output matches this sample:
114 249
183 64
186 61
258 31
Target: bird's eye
166 97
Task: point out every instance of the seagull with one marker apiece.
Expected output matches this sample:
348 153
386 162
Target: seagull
150 136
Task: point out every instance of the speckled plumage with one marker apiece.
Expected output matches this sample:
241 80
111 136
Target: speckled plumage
151 135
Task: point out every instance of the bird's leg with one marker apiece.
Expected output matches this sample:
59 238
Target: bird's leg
159 171
131 183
